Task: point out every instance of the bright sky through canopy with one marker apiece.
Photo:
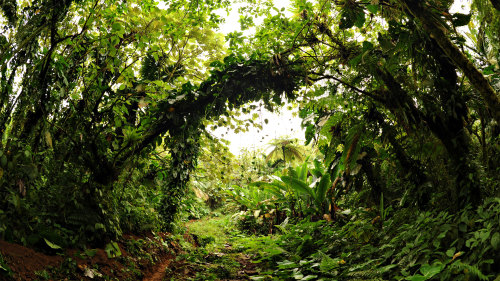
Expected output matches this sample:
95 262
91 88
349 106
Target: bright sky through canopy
283 123
279 124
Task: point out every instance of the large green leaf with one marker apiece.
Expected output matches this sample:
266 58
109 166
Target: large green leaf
273 190
268 187
431 270
293 173
52 245
372 8
302 171
495 241
112 250
459 19
428 271
281 185
321 190
318 169
416 277
353 147
298 185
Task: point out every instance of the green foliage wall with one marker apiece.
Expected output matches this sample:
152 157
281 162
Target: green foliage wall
395 83
91 90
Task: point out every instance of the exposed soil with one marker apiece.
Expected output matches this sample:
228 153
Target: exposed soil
107 266
158 271
248 267
27 264
24 262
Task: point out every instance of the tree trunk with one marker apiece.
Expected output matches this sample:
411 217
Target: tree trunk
410 166
371 176
446 126
438 33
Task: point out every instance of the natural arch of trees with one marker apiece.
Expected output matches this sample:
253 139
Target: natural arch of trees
89 90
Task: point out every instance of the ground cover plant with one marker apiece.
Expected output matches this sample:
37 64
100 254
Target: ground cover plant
107 118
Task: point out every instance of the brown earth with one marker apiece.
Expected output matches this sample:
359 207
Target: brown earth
158 271
25 263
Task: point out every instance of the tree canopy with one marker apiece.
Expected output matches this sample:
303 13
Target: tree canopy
92 90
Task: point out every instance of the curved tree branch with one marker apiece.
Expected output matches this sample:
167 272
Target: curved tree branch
438 33
496 4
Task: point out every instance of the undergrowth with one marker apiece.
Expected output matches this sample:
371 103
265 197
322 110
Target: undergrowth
406 245
426 246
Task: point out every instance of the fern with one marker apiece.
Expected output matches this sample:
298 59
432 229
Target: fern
150 68
469 269
369 274
82 218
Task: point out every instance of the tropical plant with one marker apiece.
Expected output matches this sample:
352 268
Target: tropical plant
296 194
308 190
409 79
424 247
285 149
90 91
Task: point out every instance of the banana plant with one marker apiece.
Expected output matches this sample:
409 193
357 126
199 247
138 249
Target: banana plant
314 190
306 187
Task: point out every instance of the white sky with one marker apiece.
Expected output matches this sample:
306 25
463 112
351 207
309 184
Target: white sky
231 24
460 6
279 124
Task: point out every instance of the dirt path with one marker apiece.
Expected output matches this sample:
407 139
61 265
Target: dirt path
212 255
158 272
205 251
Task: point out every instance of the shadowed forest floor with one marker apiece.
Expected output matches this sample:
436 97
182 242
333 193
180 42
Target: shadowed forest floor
356 247
208 250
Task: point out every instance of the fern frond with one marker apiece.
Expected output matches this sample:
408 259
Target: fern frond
82 218
369 274
469 269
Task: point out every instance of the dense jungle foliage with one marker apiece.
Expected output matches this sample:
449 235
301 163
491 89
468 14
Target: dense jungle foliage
107 110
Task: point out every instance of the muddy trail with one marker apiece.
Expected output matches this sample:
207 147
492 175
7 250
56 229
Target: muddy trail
159 270
203 252
135 257
207 253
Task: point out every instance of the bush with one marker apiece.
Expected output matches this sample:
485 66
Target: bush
428 245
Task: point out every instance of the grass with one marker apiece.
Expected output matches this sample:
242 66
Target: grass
224 252
223 232
216 231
